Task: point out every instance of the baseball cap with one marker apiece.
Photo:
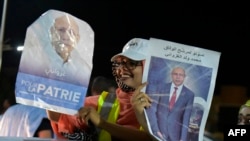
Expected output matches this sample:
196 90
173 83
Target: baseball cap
135 49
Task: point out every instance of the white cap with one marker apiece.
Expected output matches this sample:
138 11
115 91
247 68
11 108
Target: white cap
135 49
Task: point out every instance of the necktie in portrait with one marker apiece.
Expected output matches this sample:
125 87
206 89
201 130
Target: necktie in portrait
173 98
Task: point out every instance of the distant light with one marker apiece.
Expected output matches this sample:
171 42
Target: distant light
20 48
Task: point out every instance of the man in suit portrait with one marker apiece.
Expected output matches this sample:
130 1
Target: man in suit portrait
171 108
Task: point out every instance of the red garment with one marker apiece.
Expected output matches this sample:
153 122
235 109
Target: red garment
126 117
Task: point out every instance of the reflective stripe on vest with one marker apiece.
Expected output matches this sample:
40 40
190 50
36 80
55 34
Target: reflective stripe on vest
108 108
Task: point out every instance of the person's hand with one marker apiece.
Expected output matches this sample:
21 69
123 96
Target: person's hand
139 101
88 114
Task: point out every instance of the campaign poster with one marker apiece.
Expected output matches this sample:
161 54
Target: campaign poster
181 81
56 63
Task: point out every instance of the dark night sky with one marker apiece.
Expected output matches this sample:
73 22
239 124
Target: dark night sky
219 28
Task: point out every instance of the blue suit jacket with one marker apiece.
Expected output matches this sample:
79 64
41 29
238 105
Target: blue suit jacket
173 124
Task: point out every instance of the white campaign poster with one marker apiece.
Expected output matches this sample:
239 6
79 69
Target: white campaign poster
56 63
192 70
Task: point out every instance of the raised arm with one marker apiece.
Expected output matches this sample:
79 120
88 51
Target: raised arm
123 133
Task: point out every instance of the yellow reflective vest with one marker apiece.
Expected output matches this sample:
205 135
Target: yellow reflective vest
108 108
